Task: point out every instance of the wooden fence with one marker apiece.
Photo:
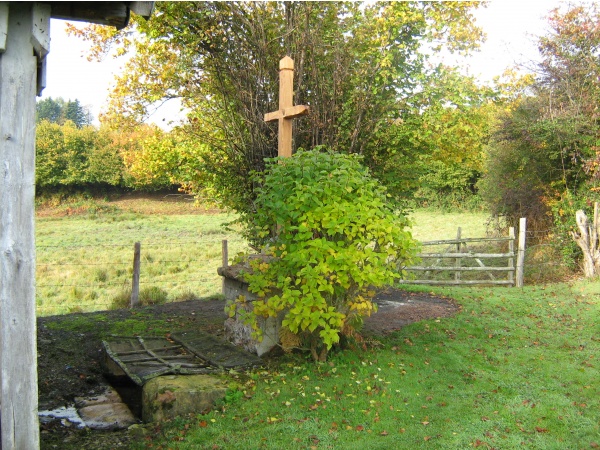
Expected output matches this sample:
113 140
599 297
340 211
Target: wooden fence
463 261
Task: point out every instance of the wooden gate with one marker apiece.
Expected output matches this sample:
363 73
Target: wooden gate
472 261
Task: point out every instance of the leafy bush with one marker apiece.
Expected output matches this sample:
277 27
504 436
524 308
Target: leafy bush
332 237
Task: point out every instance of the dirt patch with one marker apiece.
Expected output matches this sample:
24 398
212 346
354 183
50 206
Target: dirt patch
69 350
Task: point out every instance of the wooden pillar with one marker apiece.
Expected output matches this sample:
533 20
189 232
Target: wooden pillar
18 346
519 281
511 259
135 281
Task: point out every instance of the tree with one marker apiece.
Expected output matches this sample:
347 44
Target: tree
543 159
58 111
354 62
74 112
49 109
337 239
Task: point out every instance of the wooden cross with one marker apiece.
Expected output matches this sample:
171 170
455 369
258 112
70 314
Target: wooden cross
287 110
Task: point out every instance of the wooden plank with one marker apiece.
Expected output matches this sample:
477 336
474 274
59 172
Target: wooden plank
18 352
216 351
464 240
148 358
272 116
465 255
457 283
295 111
102 13
462 269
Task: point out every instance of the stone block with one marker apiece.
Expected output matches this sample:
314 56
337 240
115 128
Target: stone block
105 412
170 396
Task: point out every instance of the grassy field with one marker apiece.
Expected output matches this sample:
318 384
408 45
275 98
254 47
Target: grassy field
516 368
85 253
85 249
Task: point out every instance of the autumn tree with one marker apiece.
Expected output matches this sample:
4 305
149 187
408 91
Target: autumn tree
543 159
354 64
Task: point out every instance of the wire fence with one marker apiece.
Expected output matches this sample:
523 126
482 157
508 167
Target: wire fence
78 278
90 277
544 261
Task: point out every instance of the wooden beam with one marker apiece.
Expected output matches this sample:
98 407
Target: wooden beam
144 9
3 25
18 346
102 13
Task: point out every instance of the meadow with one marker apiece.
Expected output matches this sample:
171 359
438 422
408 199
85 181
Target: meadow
85 249
85 253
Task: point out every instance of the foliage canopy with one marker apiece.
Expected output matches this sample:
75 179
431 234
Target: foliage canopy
333 238
357 67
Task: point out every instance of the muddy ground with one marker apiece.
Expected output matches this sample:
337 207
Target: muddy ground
70 349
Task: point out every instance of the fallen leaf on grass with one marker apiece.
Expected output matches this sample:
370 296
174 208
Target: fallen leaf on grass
359 428
383 433
541 430
203 424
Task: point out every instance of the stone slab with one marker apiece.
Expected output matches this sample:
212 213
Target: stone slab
170 396
105 412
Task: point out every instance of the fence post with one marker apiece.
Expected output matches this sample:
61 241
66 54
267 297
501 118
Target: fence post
521 251
457 260
224 263
511 249
135 284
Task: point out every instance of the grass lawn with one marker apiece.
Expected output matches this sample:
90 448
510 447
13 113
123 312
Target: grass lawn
517 368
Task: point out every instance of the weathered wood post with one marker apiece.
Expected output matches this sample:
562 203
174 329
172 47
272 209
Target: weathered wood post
135 281
24 44
457 261
511 249
18 346
521 252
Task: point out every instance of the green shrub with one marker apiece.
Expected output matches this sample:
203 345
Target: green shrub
332 236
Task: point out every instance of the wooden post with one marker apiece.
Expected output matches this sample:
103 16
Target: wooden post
225 262
18 344
135 284
225 252
457 260
521 252
511 249
287 110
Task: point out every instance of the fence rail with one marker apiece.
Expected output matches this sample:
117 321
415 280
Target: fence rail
458 260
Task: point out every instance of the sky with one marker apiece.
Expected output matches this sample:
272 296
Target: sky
510 25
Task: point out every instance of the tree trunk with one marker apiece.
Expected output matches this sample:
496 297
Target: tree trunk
588 238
